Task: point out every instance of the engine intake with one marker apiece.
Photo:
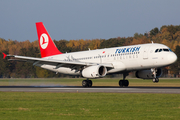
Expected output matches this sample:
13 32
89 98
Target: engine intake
94 71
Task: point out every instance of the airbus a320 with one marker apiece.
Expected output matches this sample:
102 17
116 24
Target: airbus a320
146 59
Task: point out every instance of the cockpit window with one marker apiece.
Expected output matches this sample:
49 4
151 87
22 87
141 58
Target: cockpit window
156 50
163 49
160 50
167 50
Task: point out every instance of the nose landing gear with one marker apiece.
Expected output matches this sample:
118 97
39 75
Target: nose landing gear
155 79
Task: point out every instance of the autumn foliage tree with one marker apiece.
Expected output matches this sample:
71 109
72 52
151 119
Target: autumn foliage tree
168 35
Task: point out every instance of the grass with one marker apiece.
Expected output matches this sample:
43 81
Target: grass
78 82
100 106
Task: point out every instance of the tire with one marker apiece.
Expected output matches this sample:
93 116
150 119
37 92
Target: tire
156 80
84 83
121 83
126 83
89 83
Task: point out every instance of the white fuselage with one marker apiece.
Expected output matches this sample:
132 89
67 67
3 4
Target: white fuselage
126 58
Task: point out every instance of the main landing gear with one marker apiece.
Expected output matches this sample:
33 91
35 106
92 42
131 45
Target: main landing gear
87 83
124 82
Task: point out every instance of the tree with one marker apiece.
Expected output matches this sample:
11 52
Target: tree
137 35
41 73
176 66
62 45
154 31
112 42
168 35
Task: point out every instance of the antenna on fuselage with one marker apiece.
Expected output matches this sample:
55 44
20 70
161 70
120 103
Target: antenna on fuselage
152 42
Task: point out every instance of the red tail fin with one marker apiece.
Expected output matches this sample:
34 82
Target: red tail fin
47 46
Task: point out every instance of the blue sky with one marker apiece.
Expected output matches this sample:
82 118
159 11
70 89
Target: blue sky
85 19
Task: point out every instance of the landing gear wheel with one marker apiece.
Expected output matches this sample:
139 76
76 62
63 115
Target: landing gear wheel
124 83
84 83
121 83
155 80
87 83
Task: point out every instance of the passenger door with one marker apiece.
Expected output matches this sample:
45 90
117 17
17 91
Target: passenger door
145 53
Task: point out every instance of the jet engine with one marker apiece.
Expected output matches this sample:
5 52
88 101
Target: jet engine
148 74
94 71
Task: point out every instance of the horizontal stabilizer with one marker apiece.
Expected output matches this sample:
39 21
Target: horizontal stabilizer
4 55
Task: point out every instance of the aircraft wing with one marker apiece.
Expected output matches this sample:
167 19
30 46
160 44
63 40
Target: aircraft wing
57 63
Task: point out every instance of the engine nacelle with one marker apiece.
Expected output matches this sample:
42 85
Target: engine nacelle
148 74
94 71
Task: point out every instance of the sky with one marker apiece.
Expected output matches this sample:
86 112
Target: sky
85 19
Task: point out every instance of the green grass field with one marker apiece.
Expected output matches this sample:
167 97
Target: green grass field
98 106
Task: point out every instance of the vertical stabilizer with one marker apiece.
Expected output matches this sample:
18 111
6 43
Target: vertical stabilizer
46 44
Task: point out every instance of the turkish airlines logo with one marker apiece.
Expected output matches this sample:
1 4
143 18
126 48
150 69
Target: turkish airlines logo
44 40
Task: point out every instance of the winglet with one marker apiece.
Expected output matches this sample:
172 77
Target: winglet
4 55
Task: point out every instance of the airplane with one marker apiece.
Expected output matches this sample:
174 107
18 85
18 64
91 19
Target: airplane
146 59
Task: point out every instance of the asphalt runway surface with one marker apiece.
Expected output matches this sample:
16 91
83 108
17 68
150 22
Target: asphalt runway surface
100 89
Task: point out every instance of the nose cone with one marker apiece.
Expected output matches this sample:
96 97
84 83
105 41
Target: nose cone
172 58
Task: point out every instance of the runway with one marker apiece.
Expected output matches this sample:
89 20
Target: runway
100 89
